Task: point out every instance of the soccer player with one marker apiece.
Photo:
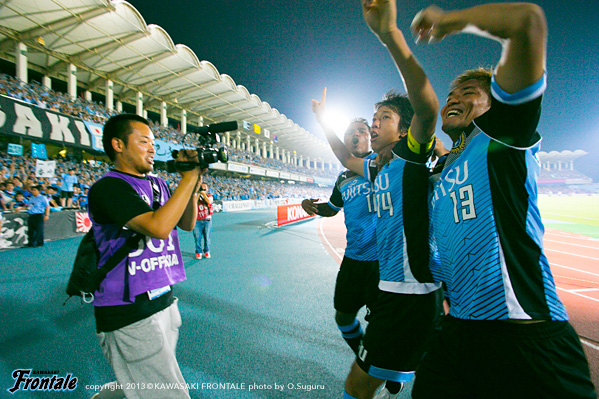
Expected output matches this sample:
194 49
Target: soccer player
507 334
404 315
357 280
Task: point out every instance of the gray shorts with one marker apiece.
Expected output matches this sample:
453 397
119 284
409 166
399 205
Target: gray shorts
142 356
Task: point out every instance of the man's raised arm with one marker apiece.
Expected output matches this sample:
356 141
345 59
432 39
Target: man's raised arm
520 27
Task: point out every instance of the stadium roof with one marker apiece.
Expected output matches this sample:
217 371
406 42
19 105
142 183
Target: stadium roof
562 156
110 40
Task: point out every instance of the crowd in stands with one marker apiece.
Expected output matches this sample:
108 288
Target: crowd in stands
17 176
238 188
569 189
36 94
565 174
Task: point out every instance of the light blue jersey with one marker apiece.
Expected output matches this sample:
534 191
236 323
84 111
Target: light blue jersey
354 193
486 222
400 202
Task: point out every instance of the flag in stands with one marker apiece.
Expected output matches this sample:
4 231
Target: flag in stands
38 151
83 223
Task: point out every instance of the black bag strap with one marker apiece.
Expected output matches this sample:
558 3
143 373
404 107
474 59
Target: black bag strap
117 257
130 243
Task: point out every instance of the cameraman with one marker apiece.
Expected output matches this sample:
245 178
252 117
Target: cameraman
137 318
203 227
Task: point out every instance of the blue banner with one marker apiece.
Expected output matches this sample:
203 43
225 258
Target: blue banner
38 151
14 149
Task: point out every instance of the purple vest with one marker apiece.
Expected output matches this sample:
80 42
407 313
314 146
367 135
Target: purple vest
155 264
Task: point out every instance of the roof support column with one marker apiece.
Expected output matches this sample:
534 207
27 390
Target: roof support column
248 147
301 161
163 116
200 121
139 109
264 153
228 138
270 154
119 107
72 81
238 141
88 95
109 98
183 121
257 148
21 62
47 82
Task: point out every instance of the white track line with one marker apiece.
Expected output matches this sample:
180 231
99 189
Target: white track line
585 290
574 245
589 344
571 254
327 241
569 216
571 268
579 237
575 293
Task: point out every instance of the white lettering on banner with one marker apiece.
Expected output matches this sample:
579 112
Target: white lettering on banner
26 122
83 134
150 264
60 128
295 213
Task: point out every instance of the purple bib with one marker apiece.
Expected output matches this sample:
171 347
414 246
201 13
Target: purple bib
154 264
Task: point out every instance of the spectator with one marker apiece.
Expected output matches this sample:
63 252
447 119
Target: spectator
203 227
39 211
19 204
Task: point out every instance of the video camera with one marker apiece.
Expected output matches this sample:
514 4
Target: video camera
208 151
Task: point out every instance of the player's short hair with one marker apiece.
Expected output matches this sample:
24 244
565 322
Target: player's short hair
119 126
400 104
482 75
358 120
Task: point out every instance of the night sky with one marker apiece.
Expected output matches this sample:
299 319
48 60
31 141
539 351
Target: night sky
286 51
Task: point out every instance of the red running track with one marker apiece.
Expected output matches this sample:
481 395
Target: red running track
574 261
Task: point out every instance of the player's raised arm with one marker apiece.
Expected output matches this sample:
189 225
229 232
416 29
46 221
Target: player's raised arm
520 27
341 152
381 16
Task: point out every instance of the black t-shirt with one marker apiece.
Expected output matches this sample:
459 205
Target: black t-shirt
114 201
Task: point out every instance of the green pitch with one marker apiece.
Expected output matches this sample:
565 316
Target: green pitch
578 215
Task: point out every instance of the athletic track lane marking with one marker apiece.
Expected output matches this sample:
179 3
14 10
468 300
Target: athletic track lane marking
569 253
321 222
569 243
